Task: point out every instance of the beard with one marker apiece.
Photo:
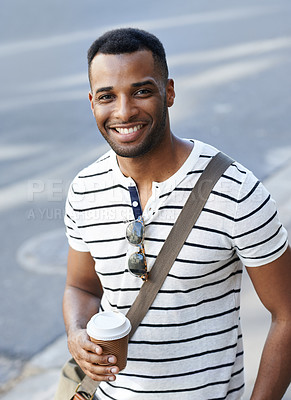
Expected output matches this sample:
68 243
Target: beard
152 140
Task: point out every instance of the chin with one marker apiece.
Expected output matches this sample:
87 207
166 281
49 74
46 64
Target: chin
132 152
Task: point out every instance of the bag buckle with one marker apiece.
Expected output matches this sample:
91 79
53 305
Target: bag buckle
82 395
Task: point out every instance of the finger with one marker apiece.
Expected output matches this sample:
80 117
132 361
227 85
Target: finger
100 373
99 359
90 346
106 360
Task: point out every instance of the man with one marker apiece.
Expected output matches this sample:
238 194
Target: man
189 345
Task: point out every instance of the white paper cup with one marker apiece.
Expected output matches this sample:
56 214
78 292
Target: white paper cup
110 330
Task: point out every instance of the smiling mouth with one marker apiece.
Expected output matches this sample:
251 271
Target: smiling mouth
126 131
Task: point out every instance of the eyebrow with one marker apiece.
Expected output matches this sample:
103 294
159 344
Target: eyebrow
104 89
136 84
139 84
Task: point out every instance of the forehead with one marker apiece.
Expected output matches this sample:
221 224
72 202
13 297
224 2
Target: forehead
111 69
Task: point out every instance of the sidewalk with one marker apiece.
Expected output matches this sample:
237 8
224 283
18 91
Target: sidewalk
40 376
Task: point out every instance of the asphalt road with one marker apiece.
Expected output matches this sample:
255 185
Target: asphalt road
231 63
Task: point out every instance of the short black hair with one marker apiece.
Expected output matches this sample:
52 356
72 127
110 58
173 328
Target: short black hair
129 40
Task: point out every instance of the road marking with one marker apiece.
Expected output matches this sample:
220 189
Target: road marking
18 47
227 73
230 52
44 253
18 194
16 151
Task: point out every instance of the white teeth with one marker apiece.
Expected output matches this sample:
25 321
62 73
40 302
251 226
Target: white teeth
125 131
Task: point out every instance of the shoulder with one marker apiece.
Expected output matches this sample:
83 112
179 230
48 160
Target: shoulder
98 167
93 177
236 178
95 172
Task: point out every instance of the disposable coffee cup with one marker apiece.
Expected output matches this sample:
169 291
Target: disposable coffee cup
110 330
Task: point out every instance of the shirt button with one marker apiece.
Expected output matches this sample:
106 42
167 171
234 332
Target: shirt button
135 204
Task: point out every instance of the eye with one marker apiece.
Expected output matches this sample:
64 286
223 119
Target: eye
143 92
105 98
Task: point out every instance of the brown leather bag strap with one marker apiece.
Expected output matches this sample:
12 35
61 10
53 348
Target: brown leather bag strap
80 396
86 389
170 250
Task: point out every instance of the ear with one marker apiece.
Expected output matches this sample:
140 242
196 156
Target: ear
90 95
170 92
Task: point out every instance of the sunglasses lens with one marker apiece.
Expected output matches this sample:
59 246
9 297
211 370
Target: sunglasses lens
135 232
136 264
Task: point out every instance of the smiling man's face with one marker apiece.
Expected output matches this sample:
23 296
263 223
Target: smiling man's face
130 101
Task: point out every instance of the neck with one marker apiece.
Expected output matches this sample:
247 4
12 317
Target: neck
157 165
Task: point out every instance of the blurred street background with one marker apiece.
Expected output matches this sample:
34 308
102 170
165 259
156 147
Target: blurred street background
231 63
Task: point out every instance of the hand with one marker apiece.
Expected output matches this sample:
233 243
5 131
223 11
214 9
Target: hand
89 357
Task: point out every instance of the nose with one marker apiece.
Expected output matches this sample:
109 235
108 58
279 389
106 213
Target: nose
125 108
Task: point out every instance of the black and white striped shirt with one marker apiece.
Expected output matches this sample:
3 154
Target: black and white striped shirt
189 345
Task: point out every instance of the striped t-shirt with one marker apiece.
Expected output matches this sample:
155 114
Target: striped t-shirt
189 345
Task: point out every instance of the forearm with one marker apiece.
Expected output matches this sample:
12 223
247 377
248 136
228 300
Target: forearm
78 307
274 373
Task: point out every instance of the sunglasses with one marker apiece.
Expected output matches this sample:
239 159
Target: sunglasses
137 264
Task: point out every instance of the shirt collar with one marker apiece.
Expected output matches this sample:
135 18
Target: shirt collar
170 183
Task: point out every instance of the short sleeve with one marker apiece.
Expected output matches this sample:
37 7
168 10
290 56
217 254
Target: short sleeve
72 231
258 234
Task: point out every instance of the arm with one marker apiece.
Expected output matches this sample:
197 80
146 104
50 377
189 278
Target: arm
81 301
272 283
